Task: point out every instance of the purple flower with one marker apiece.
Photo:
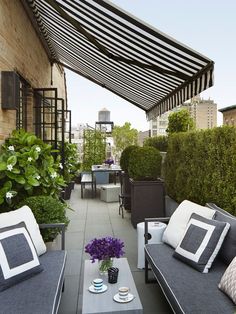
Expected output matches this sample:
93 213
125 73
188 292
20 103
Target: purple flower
109 161
104 248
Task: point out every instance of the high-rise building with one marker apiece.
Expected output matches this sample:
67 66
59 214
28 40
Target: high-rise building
159 125
203 112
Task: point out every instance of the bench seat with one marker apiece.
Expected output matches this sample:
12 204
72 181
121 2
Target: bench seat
39 294
186 289
87 178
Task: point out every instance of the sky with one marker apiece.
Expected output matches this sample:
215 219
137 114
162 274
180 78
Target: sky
207 26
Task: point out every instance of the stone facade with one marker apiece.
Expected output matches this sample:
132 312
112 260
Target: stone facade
229 115
22 51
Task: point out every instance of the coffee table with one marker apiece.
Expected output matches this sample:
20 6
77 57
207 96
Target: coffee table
103 303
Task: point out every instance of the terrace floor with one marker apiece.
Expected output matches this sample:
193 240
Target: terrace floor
93 218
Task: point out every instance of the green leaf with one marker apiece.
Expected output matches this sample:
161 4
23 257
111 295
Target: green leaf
35 155
3 165
8 185
1 200
20 180
11 175
12 160
32 181
15 170
31 139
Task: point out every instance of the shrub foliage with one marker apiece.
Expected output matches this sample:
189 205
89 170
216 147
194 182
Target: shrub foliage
159 142
144 163
124 158
46 210
200 166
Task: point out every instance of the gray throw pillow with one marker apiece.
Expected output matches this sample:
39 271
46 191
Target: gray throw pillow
228 249
228 281
201 242
18 257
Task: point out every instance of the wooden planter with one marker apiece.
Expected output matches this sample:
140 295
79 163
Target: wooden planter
147 200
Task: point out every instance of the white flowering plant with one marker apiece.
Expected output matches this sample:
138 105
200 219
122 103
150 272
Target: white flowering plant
71 161
27 167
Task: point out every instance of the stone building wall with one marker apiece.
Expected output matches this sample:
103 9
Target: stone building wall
22 51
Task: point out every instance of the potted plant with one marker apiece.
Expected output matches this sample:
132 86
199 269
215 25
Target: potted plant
27 167
125 183
47 209
104 250
70 167
147 190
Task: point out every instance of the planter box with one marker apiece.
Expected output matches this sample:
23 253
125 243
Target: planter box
126 190
66 193
147 200
171 205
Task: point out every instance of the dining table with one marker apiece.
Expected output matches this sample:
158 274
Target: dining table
113 169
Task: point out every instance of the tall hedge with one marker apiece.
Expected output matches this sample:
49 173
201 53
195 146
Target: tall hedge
159 142
201 166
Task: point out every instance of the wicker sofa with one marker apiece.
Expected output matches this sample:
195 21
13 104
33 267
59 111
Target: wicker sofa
186 289
39 293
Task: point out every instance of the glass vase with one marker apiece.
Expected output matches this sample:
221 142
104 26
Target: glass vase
104 264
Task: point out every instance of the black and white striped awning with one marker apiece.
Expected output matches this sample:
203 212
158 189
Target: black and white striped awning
112 48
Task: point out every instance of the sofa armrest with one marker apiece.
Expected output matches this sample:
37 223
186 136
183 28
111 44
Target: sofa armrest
147 220
60 226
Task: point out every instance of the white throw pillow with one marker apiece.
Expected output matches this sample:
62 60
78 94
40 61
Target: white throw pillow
179 220
25 214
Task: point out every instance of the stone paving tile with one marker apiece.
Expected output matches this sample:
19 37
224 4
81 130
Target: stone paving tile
73 263
94 218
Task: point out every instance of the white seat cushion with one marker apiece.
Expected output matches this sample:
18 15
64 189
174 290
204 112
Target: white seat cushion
179 220
24 214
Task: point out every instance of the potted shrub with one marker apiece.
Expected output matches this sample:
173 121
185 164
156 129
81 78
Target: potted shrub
27 167
70 167
147 190
125 183
47 209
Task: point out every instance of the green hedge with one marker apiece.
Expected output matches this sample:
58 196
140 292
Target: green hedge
159 142
200 166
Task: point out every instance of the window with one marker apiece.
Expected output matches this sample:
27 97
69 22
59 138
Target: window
21 111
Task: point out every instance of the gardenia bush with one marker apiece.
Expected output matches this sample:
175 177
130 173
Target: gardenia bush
71 161
27 167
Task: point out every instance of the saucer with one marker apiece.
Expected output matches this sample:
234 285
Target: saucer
117 298
91 289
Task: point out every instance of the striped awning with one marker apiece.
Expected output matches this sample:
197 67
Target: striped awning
117 51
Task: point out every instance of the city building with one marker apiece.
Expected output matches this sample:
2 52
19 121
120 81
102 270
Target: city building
159 125
142 135
229 115
203 112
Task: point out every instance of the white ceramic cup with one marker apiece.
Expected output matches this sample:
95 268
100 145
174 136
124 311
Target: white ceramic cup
123 293
97 284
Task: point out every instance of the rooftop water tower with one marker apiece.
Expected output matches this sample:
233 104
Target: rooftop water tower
104 121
